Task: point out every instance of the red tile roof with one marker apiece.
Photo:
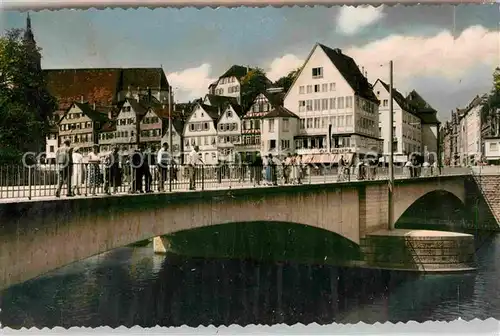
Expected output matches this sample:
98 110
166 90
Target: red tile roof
100 85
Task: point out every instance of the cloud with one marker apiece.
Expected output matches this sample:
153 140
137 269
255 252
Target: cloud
350 20
440 56
282 66
192 83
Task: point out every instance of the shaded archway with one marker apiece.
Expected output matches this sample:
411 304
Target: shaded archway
264 240
436 210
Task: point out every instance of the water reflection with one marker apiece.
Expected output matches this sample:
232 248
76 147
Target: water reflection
131 286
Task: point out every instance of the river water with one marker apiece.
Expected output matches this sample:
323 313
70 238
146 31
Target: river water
132 286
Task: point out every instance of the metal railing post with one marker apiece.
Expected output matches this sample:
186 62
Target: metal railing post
29 183
202 177
170 177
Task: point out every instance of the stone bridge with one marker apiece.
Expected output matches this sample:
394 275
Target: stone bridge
40 236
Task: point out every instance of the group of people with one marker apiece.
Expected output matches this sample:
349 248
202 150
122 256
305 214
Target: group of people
73 171
111 170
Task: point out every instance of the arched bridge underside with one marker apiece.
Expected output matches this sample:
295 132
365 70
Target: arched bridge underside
39 236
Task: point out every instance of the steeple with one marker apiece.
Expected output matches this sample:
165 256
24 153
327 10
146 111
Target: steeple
29 41
28 33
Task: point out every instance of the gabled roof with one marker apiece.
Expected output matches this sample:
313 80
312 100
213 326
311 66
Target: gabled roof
89 111
417 101
237 109
153 78
100 85
139 109
94 85
351 73
237 71
347 68
221 101
425 112
280 112
275 99
212 111
399 98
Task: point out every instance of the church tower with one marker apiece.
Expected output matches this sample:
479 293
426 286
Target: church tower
29 40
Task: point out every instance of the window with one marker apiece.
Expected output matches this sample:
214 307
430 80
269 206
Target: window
324 87
309 88
348 120
333 121
309 122
309 105
317 104
316 122
286 125
272 144
302 105
348 102
324 104
317 73
332 86
229 114
52 149
385 102
332 103
493 146
302 123
271 125
285 144
340 102
316 88
301 89
324 122
341 121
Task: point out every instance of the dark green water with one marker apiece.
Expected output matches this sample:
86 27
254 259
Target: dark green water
131 286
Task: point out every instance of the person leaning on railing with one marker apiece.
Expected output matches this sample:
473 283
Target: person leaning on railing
64 162
94 172
194 162
164 164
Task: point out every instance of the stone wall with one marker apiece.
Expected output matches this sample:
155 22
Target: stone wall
490 190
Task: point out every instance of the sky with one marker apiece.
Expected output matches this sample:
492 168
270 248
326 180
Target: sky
447 53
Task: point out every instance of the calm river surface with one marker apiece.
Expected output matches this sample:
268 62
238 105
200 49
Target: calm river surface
131 286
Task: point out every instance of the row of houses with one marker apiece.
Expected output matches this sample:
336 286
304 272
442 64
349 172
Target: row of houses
330 109
471 138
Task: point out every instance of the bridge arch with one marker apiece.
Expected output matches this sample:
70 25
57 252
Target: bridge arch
56 233
439 210
405 196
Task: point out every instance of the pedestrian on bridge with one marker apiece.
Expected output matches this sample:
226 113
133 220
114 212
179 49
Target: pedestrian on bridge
64 159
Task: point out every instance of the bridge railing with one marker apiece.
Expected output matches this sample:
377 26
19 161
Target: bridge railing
89 179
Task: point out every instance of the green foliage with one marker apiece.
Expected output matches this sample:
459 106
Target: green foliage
25 103
252 84
286 81
493 101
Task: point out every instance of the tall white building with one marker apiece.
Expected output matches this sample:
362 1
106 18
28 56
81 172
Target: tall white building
337 107
469 136
407 125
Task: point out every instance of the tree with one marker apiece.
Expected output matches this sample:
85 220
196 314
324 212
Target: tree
25 103
286 81
252 84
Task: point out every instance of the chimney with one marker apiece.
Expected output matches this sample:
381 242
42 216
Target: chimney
248 69
363 70
219 110
81 99
93 106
